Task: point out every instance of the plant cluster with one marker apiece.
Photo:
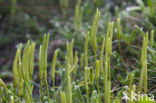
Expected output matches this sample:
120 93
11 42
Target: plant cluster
92 85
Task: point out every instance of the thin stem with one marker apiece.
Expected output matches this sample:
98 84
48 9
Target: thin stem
47 91
41 90
109 68
98 87
95 55
54 89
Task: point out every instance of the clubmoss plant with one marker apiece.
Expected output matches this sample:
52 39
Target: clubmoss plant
74 68
27 70
82 60
86 70
73 61
40 72
17 71
43 64
91 78
94 97
44 55
24 62
93 32
63 97
70 51
143 76
97 72
16 64
78 16
69 63
97 69
106 85
23 71
152 38
119 34
101 56
86 67
107 70
69 90
53 65
79 94
130 87
12 99
110 47
31 60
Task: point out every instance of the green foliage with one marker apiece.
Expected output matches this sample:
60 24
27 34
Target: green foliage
141 4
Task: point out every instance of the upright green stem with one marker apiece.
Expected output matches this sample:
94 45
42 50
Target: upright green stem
109 68
91 75
152 38
41 91
95 55
86 83
98 87
54 89
86 51
97 72
53 65
47 91
118 34
68 61
143 75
